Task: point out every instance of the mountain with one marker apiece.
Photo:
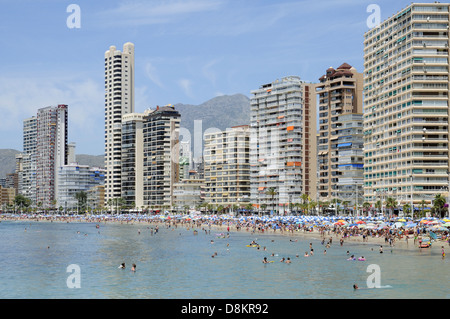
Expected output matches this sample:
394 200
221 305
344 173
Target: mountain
7 161
220 112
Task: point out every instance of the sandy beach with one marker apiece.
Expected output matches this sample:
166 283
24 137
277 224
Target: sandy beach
339 235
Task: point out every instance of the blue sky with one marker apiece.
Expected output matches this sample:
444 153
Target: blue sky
186 51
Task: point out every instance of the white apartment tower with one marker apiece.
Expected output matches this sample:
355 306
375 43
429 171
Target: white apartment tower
51 151
119 100
283 154
406 121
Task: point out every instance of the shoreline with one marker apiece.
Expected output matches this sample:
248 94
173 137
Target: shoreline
223 227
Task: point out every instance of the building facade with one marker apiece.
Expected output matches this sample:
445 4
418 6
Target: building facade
188 193
283 163
350 147
26 161
161 128
51 151
227 166
406 123
74 178
339 93
119 100
133 160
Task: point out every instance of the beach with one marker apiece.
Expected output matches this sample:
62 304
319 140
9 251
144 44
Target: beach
337 229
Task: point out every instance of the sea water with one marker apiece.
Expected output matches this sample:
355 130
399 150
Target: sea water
175 263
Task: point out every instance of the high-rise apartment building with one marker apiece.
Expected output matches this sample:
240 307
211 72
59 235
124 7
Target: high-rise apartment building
227 167
283 161
161 129
26 161
119 100
350 147
51 151
133 159
339 92
406 105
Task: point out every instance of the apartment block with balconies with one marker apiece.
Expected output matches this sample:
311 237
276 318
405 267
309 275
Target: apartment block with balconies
406 77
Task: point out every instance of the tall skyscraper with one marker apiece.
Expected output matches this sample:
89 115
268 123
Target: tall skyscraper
339 92
133 159
161 129
51 151
26 162
406 105
119 100
283 151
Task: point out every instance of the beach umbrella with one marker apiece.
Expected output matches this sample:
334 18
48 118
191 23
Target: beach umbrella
447 224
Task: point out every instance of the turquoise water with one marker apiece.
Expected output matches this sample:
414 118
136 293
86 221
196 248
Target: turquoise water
176 264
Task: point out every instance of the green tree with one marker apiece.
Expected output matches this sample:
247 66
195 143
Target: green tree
272 192
439 203
22 201
305 203
391 204
81 198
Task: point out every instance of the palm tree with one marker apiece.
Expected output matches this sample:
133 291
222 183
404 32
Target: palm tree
407 209
305 200
272 192
81 198
312 205
422 207
439 202
366 206
391 203
378 205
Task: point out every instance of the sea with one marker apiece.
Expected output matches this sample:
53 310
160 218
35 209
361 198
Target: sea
58 260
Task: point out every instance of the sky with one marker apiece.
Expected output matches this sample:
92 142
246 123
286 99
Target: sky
186 51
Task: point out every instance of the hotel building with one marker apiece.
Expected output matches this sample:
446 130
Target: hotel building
119 100
283 143
406 105
227 167
339 93
51 151
133 159
161 129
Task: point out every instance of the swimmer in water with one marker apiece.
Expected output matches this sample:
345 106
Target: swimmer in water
133 268
355 286
122 266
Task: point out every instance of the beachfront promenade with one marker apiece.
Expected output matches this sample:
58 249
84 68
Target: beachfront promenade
401 232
